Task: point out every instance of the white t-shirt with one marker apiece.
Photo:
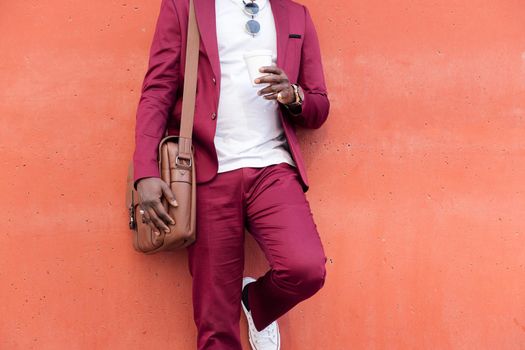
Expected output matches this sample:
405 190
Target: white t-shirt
249 132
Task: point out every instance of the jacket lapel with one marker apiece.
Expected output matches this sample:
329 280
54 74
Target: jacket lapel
281 27
205 14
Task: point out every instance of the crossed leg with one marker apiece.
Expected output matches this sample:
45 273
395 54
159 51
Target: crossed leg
271 203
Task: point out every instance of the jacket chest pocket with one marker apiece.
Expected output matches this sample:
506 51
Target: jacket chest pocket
293 54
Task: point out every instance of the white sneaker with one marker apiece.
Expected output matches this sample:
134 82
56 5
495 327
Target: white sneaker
267 339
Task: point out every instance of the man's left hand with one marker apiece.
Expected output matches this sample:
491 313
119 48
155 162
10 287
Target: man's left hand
279 82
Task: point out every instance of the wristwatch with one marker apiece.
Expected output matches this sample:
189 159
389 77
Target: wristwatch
299 97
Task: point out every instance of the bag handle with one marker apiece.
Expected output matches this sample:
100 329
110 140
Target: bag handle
190 86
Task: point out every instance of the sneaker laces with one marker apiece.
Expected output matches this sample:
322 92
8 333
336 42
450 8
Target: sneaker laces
269 333
265 335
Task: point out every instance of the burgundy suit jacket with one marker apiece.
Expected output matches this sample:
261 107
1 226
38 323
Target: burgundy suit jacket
161 97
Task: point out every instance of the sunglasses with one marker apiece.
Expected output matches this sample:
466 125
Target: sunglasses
252 26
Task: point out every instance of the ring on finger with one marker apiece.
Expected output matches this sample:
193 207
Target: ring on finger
145 217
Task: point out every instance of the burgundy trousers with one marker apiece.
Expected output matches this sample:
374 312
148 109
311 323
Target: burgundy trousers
271 204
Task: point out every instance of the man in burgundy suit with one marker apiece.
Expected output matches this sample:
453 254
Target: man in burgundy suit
250 172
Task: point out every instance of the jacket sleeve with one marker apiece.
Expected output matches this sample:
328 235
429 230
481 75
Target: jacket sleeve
159 89
316 105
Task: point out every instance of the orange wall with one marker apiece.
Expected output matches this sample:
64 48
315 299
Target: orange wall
417 180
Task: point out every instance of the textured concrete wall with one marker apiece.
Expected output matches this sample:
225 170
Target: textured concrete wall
416 180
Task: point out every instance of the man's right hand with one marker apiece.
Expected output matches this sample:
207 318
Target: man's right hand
151 190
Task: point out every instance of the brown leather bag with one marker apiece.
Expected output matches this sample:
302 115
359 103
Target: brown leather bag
176 166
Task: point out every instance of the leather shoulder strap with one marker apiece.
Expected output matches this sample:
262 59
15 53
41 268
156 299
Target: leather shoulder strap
190 85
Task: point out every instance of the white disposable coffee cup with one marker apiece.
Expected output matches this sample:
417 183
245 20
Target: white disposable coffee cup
256 59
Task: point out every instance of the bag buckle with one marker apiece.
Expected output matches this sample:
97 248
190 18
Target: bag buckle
182 164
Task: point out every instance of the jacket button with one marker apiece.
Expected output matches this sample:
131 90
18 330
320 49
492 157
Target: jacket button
213 115
214 81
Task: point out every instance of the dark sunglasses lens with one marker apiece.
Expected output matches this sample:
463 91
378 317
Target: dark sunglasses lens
252 8
253 27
